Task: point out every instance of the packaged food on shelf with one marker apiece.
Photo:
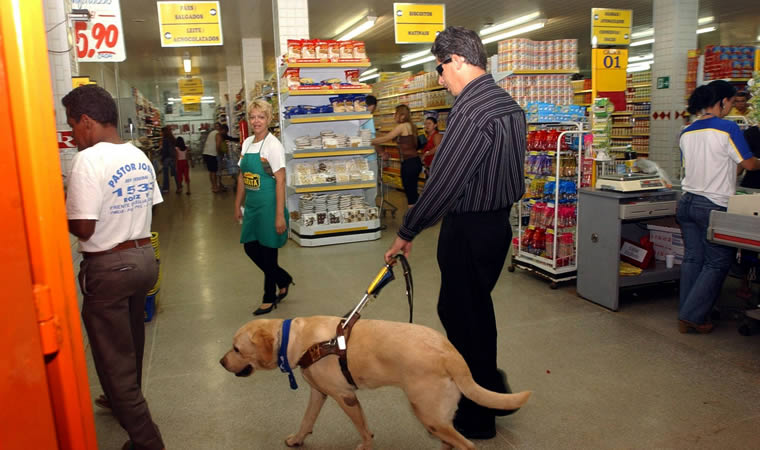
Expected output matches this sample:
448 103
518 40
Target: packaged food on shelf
525 54
325 51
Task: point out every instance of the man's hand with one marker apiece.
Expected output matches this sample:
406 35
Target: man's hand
399 245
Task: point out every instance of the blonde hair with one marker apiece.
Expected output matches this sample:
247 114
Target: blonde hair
403 110
263 106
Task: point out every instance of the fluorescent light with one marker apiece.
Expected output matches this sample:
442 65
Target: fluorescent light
641 58
415 55
417 62
187 64
639 67
644 33
369 71
170 103
706 29
208 101
705 20
207 98
510 23
642 42
370 77
517 31
171 99
368 23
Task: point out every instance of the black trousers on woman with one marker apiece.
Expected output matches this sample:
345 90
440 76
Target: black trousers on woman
410 174
274 275
472 249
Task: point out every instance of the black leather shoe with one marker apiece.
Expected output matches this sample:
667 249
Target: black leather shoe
263 310
506 390
281 297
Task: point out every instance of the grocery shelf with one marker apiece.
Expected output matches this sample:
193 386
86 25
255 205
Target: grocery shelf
430 108
413 91
641 85
622 126
622 113
642 100
329 187
301 92
332 117
583 104
545 72
339 233
640 134
612 138
641 116
320 65
322 152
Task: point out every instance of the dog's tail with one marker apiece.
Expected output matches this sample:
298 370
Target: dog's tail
460 373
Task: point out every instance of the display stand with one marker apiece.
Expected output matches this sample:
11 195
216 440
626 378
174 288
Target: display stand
552 256
352 225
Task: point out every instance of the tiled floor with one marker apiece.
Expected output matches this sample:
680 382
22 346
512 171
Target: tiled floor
600 379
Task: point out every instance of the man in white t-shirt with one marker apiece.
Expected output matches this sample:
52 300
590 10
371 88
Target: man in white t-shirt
210 151
111 190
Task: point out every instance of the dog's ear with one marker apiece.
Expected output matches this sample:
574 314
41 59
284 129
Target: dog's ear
263 342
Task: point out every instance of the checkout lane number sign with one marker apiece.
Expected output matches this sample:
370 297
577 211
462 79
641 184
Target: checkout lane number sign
100 39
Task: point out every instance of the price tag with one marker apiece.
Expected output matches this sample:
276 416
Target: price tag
100 39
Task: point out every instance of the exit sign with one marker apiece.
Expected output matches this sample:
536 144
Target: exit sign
663 82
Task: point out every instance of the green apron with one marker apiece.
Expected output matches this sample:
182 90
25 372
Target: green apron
260 204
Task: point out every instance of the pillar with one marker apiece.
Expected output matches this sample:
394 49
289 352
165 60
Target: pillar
291 21
675 33
63 64
253 65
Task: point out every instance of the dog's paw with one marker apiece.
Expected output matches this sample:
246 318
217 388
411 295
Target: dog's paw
293 441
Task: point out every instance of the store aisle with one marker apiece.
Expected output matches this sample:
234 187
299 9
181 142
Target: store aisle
600 379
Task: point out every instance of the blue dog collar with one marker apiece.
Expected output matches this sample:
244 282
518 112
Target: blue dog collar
282 354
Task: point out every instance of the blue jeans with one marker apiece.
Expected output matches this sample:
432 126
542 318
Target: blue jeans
167 167
705 265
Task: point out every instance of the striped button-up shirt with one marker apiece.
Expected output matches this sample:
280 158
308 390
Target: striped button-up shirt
478 166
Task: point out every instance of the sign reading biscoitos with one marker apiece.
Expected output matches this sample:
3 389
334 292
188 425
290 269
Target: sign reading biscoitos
190 24
418 22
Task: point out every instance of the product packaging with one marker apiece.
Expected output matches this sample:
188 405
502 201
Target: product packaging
294 49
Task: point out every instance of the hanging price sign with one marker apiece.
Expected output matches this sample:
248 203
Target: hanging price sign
101 38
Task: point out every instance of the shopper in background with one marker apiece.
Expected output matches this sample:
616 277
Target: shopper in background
712 147
369 124
183 168
111 191
741 106
168 158
210 150
405 134
434 139
477 176
261 190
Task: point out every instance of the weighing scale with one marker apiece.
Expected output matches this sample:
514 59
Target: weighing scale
630 182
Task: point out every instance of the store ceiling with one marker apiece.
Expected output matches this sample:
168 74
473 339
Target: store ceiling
148 63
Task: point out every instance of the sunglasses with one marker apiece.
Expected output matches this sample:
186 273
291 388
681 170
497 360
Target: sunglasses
439 67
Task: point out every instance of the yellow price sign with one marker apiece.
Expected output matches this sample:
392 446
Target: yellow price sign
608 67
418 22
191 99
190 86
193 108
611 36
80 81
611 26
190 24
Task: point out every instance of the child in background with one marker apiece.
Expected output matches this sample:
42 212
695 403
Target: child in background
183 170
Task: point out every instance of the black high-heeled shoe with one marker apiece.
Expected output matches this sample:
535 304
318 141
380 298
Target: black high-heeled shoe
263 310
282 295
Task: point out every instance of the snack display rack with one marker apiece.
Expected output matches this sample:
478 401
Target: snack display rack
329 162
546 232
638 98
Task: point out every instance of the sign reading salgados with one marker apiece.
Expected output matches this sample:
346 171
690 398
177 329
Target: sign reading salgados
190 24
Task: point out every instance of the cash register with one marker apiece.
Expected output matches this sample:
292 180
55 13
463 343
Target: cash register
630 182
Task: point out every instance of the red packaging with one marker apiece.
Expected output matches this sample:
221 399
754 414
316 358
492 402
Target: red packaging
308 49
322 50
333 50
294 49
292 77
346 49
352 76
359 50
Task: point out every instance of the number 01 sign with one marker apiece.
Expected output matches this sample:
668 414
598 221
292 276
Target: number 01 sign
101 38
609 68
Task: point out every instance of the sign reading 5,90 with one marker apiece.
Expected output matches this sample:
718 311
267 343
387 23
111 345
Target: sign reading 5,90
101 38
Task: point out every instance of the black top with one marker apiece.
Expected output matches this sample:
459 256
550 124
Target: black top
479 163
752 177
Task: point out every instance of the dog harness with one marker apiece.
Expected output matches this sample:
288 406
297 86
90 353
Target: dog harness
335 346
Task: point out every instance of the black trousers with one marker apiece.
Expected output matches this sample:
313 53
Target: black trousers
410 173
274 275
472 249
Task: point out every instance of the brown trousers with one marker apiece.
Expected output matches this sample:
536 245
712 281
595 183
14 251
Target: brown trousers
114 288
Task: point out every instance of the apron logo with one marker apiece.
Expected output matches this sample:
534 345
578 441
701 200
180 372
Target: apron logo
252 181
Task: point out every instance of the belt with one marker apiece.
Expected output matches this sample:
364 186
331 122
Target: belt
126 245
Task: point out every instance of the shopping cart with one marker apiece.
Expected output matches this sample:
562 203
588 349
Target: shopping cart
228 164
384 186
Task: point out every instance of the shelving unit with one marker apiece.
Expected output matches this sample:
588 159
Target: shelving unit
149 123
546 233
638 95
318 228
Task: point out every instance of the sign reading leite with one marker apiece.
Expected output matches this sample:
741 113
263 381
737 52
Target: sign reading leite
611 26
190 24
100 39
418 22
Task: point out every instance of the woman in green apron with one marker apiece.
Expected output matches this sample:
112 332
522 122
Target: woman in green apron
260 204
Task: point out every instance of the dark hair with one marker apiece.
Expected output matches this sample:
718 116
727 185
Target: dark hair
168 137
224 128
371 100
460 41
94 101
181 144
432 119
743 94
708 95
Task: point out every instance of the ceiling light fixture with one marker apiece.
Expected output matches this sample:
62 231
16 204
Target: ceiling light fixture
705 20
510 23
517 31
706 29
364 25
417 62
369 71
207 98
369 77
644 33
187 63
639 67
208 101
641 58
415 55
642 42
